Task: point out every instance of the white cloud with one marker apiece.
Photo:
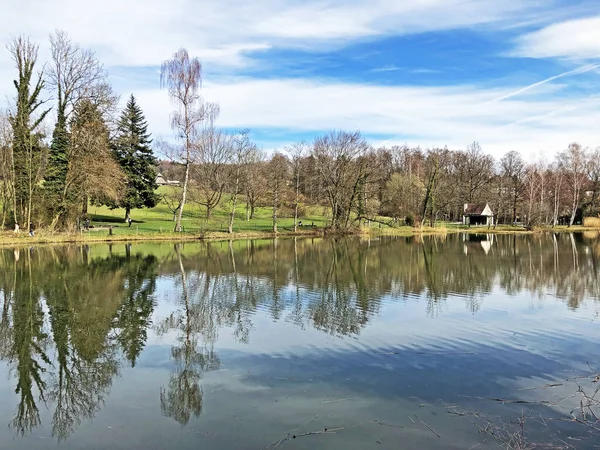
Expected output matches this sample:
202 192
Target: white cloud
426 116
145 32
577 39
225 34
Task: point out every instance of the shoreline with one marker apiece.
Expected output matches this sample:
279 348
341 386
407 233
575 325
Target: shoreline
9 239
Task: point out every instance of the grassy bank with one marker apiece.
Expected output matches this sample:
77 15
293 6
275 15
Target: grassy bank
156 224
146 233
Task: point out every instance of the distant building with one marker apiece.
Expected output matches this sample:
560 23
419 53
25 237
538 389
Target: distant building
478 214
162 181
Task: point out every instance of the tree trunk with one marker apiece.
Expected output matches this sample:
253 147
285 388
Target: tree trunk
296 202
575 205
184 193
234 201
127 212
275 200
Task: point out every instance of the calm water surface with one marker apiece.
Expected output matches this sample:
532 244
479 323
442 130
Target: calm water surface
386 343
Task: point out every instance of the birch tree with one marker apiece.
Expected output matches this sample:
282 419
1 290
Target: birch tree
574 164
297 152
182 76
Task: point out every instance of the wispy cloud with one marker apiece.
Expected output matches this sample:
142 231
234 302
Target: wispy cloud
579 39
386 69
224 32
427 116
578 71
135 36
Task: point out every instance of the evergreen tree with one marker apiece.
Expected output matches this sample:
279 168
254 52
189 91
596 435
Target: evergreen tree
133 152
56 171
27 139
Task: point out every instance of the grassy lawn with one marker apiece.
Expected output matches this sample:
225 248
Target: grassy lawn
158 224
160 219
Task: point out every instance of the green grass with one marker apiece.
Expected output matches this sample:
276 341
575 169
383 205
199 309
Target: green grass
157 224
160 219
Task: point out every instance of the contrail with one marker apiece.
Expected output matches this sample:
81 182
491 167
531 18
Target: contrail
577 71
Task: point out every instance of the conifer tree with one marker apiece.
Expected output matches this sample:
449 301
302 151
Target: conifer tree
133 153
27 137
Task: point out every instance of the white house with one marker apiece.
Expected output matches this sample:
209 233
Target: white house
478 214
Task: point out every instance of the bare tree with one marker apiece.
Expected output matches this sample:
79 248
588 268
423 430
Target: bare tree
242 148
75 73
574 164
278 174
341 171
435 163
556 184
512 168
475 172
531 183
255 184
213 152
593 173
297 152
182 77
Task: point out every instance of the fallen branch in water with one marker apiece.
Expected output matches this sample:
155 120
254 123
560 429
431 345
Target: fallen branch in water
430 429
541 387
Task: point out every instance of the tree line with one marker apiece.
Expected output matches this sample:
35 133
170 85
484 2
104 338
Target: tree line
94 154
100 156
357 182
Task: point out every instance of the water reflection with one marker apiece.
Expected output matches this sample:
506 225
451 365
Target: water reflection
72 318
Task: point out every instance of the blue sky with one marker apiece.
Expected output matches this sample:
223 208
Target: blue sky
518 75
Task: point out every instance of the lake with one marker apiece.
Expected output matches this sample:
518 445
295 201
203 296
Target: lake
444 342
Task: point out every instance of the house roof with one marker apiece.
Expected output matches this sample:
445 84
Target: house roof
475 209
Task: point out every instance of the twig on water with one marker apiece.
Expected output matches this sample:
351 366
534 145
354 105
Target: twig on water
335 401
546 386
430 429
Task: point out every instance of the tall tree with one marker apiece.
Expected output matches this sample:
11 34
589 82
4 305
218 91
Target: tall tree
475 172
278 168
182 75
297 153
242 148
132 151
341 171
213 152
73 76
26 121
6 166
574 164
513 170
93 173
593 173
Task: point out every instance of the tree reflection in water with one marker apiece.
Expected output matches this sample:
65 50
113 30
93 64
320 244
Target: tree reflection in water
70 322
182 399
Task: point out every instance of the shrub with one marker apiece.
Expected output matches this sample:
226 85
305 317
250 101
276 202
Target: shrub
409 220
591 222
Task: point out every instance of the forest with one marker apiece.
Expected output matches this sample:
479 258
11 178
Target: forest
97 153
